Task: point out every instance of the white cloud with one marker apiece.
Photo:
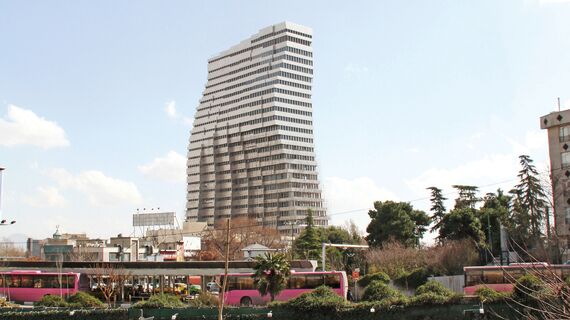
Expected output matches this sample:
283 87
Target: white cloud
24 127
46 197
356 195
491 168
354 69
494 170
100 189
170 109
546 2
172 112
171 168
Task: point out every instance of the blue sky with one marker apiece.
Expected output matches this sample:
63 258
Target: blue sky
97 99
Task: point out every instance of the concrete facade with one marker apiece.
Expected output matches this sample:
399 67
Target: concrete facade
251 150
558 126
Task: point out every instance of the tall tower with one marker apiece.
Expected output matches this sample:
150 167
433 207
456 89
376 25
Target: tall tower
558 126
251 151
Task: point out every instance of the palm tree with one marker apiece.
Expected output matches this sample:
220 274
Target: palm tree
271 274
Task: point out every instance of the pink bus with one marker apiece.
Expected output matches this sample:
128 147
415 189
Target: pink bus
503 278
32 285
241 290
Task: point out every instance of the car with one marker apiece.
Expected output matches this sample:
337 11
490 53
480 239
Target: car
213 287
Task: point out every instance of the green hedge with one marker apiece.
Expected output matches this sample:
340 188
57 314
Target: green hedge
99 314
378 276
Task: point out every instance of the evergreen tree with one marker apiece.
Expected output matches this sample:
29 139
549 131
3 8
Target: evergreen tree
493 214
531 196
271 274
308 244
462 223
437 207
396 221
467 196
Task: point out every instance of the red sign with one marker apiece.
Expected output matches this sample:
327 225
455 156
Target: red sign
355 275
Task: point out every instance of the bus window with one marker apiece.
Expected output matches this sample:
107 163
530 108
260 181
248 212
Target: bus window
473 278
313 281
493 276
245 283
297 282
14 282
332 280
27 281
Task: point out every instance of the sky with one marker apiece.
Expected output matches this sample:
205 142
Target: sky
97 100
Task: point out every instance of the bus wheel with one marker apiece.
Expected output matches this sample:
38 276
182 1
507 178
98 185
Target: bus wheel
245 302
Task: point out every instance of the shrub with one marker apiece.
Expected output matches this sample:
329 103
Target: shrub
430 298
322 299
378 276
435 288
204 299
414 278
528 289
490 295
51 301
160 301
379 291
84 300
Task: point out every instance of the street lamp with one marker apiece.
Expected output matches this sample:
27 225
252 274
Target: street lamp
4 222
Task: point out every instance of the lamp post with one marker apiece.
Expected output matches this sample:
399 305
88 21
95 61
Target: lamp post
3 222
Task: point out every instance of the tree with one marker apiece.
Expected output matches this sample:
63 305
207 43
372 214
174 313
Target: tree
492 215
467 196
271 274
244 232
308 243
531 197
460 224
109 279
437 209
397 221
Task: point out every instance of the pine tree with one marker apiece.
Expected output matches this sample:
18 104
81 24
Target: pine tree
437 209
308 243
531 196
467 196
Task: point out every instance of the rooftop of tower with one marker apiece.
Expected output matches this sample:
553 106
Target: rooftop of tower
267 30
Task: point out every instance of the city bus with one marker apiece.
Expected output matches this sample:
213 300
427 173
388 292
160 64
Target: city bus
503 278
240 289
32 285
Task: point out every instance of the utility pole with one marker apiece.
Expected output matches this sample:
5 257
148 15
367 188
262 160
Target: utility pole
224 284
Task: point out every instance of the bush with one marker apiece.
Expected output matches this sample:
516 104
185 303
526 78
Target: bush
430 298
84 300
435 288
379 291
322 299
160 301
204 299
414 278
378 276
490 295
51 301
528 289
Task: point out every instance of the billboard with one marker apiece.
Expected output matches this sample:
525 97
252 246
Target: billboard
191 243
154 219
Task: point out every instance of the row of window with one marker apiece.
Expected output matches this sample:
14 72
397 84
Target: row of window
254 131
256 121
268 91
265 188
271 177
259 71
258 102
259 111
259 63
281 166
275 74
254 141
37 281
264 45
279 204
269 35
264 54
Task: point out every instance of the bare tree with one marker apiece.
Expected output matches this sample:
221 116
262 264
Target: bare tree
109 279
244 232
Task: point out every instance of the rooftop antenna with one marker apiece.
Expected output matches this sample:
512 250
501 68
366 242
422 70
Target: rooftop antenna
558 104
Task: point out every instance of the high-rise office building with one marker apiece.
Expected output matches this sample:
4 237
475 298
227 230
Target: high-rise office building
251 152
558 126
